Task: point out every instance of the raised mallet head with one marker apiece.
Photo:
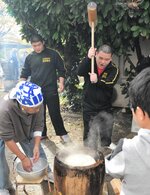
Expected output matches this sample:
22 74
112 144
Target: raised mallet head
92 13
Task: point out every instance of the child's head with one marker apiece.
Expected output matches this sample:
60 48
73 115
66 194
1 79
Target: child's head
139 92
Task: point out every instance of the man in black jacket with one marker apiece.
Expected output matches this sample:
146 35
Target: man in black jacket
44 65
98 87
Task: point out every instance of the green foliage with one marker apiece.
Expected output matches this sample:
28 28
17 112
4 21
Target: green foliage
64 25
58 20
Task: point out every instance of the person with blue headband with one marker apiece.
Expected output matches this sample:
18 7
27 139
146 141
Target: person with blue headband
21 121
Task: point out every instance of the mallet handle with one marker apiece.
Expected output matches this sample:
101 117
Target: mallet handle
92 18
92 45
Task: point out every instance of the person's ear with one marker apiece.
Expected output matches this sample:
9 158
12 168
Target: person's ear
140 114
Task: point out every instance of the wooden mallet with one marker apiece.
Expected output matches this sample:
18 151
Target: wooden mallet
92 19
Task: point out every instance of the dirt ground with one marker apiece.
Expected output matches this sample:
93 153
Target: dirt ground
74 125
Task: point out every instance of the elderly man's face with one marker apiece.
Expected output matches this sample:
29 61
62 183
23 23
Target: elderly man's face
30 110
103 59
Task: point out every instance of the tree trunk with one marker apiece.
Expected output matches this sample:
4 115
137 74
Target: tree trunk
138 49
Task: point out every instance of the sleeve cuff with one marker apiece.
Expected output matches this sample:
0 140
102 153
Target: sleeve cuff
37 133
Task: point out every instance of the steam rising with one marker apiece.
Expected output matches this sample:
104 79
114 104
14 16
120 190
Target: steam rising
76 151
100 130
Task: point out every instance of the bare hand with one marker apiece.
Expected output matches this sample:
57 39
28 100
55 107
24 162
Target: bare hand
93 77
36 154
91 52
27 164
61 87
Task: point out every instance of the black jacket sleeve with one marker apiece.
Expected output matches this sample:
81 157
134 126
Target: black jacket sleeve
84 67
59 65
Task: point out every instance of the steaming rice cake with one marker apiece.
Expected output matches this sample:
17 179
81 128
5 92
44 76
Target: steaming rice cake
79 160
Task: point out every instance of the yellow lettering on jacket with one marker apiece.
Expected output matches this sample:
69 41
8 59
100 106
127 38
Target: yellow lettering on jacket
46 59
104 75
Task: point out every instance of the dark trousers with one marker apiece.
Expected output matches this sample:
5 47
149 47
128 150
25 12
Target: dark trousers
52 103
105 131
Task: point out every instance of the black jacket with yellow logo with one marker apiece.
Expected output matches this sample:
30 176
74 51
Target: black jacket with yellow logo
44 68
97 96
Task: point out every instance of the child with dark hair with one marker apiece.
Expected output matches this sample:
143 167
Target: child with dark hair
130 161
